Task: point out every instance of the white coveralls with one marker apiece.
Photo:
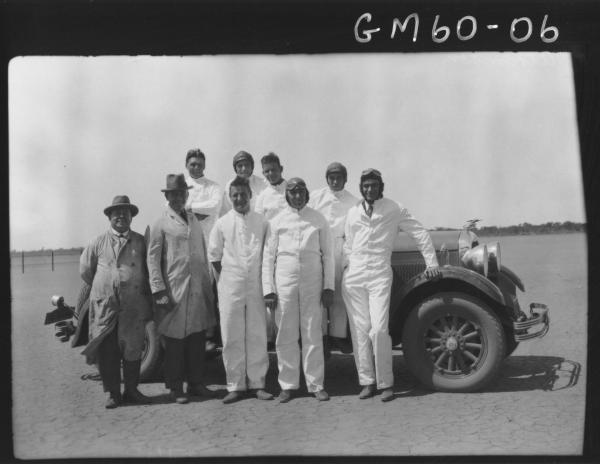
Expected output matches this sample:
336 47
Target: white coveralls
271 200
257 185
298 264
367 281
205 198
334 206
237 242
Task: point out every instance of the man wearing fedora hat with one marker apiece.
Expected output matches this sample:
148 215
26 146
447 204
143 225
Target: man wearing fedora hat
182 291
114 264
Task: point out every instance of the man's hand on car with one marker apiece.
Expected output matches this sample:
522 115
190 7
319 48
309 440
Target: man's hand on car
432 272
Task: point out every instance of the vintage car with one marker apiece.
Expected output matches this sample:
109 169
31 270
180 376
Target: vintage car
454 331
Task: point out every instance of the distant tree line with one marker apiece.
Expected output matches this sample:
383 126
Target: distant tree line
529 229
520 229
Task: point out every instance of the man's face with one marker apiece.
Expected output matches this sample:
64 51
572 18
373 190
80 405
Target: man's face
177 199
240 198
120 218
272 172
195 166
370 189
244 168
297 197
336 181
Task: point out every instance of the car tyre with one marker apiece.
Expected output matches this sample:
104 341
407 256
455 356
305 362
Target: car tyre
453 342
152 355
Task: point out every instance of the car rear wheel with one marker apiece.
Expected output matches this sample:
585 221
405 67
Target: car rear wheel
453 342
152 355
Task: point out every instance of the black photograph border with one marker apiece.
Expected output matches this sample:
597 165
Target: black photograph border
186 27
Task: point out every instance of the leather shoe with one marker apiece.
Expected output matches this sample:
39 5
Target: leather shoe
232 397
367 392
113 400
322 395
387 394
135 396
262 394
179 397
198 389
284 396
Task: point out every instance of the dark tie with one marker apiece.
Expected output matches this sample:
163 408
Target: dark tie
369 209
122 241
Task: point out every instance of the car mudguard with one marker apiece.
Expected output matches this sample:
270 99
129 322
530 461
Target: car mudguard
447 273
452 278
513 277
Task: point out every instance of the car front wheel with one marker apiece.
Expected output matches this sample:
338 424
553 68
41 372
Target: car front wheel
453 342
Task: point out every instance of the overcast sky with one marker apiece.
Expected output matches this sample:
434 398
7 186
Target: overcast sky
457 136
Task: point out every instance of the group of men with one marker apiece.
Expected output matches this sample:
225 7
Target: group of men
289 266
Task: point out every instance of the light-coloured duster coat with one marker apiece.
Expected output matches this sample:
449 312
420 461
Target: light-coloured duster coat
177 263
119 293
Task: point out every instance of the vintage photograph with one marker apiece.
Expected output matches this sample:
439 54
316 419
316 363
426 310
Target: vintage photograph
377 254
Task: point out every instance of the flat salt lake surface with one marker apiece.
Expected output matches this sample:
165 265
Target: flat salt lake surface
535 406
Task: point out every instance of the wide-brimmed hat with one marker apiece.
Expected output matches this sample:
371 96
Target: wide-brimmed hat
176 182
243 155
121 200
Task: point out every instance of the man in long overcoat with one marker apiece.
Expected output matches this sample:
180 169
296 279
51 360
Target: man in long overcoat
182 291
114 264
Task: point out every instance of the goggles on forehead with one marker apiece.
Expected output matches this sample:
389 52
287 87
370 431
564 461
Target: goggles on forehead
296 183
370 172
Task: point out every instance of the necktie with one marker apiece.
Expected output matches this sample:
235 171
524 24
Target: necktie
369 209
122 241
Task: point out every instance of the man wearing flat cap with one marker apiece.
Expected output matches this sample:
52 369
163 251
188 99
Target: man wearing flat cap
182 291
298 277
370 231
243 166
333 202
114 265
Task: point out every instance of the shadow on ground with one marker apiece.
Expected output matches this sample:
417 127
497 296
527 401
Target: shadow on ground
518 373
547 373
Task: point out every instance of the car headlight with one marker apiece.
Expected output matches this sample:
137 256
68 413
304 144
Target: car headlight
57 301
494 262
476 259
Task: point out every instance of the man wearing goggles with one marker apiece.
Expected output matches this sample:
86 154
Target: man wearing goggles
298 276
370 230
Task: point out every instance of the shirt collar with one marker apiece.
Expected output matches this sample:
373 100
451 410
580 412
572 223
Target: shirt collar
120 234
279 187
190 180
174 214
297 211
338 193
245 215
